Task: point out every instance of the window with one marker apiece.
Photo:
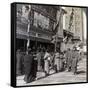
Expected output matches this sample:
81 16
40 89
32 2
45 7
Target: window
41 21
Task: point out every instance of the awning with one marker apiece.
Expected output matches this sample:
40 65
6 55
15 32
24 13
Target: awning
20 36
67 33
76 38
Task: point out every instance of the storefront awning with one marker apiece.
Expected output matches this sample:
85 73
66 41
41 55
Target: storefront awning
76 38
67 33
20 36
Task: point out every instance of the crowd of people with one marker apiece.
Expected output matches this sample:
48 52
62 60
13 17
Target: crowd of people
31 62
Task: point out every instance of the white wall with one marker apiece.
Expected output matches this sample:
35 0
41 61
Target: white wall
84 25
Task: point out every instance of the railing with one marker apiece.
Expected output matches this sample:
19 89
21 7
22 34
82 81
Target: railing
43 12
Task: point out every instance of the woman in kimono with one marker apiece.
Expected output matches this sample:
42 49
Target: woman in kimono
69 59
46 62
61 61
75 59
57 61
39 59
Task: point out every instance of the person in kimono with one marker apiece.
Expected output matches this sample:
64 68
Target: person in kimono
39 59
61 61
46 62
42 59
34 66
75 59
52 60
28 63
57 61
64 60
69 59
19 59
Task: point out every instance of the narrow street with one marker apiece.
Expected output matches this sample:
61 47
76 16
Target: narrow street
61 77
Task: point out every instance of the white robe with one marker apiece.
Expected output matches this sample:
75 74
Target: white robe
46 60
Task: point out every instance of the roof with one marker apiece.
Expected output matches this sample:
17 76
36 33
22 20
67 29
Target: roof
64 11
76 38
68 32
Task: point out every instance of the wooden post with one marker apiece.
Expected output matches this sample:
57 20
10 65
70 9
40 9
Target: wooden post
56 42
28 40
55 46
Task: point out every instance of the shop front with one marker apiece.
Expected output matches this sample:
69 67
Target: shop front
36 41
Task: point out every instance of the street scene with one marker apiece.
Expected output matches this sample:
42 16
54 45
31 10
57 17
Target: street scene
51 44
57 78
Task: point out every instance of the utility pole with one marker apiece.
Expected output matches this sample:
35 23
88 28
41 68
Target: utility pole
28 40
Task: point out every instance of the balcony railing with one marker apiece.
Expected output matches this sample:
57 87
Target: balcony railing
43 11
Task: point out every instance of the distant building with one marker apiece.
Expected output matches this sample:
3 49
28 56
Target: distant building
74 23
76 26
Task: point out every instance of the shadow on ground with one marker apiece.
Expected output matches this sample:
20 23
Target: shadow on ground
49 75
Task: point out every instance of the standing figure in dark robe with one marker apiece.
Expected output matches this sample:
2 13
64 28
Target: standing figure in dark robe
22 62
34 67
42 60
39 59
18 62
61 61
57 61
28 61
75 59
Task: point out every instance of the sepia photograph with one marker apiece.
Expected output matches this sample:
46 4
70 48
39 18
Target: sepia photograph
51 44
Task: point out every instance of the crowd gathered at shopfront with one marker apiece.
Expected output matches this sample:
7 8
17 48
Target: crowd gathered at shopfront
44 60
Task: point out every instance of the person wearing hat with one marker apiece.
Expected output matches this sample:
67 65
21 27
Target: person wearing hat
75 59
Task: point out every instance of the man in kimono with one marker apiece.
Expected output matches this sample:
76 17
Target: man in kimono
34 67
46 62
42 59
57 61
69 59
75 59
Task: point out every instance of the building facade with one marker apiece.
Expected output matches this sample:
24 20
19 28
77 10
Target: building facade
36 24
76 26
74 23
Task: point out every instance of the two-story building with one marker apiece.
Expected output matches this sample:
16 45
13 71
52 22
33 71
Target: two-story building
36 24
